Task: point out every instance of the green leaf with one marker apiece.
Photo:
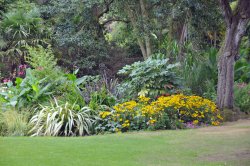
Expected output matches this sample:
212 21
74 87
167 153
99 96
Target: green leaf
35 88
18 81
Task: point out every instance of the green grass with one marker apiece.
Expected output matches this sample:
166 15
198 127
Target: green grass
227 145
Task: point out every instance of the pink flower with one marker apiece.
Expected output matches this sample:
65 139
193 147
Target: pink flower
21 73
22 66
6 80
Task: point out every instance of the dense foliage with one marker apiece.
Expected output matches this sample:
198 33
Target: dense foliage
242 96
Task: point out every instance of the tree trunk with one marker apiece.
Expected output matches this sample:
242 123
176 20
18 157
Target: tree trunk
140 42
146 31
228 53
142 48
236 23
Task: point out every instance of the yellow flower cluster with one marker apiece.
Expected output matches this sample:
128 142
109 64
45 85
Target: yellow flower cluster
126 124
143 99
193 109
127 106
104 114
152 121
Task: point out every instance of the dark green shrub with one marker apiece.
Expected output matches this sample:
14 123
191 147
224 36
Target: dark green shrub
200 73
242 96
102 97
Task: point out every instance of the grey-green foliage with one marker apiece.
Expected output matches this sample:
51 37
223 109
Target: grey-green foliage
13 123
61 120
152 77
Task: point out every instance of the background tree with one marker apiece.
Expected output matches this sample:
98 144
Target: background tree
21 26
78 33
236 24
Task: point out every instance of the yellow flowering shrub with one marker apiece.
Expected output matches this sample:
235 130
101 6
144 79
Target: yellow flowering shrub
104 114
188 108
163 113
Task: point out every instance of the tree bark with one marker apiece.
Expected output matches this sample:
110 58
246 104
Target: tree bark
139 40
145 21
141 43
236 26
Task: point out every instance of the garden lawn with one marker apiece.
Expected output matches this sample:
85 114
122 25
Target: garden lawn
224 145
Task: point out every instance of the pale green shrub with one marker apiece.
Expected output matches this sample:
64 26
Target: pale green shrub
13 123
62 120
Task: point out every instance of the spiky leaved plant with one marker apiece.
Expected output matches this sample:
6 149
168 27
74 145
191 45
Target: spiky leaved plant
62 120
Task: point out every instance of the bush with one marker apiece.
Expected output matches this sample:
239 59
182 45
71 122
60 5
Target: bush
200 73
153 77
167 112
43 62
26 92
62 119
13 123
41 82
242 96
94 85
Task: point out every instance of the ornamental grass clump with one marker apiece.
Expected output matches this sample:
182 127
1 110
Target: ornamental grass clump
166 112
62 120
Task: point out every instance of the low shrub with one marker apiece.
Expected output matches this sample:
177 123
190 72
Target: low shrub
102 97
26 92
242 96
13 123
166 112
62 119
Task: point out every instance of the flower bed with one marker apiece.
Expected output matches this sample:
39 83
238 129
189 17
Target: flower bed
166 112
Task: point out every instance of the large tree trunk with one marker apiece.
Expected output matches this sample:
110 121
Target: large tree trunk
236 27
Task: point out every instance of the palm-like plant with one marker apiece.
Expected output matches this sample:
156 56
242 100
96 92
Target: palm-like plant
20 27
62 120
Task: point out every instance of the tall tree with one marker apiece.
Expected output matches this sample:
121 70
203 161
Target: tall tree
77 32
236 24
140 15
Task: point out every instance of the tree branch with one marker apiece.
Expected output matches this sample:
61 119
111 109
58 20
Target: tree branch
154 4
106 8
227 11
244 8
